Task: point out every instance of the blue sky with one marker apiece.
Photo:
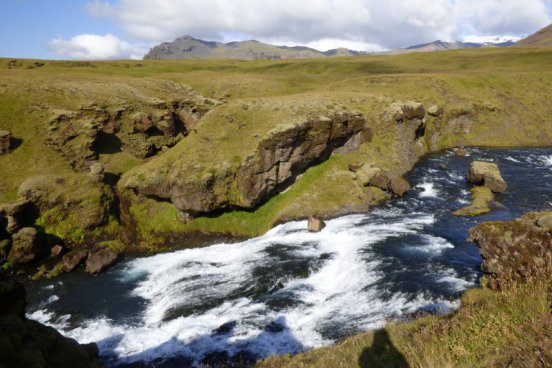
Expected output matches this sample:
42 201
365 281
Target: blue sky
27 26
104 29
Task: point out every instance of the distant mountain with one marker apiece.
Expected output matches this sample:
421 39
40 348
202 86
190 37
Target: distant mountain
443 45
188 47
541 38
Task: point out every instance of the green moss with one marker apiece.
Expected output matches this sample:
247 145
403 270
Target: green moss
56 271
481 197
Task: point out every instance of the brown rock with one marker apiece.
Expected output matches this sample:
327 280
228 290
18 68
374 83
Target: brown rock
399 186
56 250
18 215
26 246
5 141
100 260
5 245
72 259
488 174
355 166
435 111
400 111
380 180
461 152
315 224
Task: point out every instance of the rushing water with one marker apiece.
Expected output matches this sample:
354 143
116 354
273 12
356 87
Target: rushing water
290 290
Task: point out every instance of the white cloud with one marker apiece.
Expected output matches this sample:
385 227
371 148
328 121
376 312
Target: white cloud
387 24
95 47
491 38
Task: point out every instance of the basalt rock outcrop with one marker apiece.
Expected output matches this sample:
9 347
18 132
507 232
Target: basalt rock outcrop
280 156
144 130
515 251
27 343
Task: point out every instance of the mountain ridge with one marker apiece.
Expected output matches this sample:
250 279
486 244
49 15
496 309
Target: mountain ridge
542 38
188 47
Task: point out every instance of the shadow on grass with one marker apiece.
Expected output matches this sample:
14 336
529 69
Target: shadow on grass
382 353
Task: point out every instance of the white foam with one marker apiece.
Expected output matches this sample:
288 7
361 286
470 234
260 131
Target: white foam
428 190
547 160
341 290
53 298
433 245
457 283
510 158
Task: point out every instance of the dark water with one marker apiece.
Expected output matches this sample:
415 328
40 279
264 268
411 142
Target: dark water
291 290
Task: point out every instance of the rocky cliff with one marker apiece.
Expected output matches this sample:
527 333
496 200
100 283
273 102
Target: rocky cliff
27 343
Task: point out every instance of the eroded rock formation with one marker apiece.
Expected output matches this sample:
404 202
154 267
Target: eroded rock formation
515 251
285 152
82 135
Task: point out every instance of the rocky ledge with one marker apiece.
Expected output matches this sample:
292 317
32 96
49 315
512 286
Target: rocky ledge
279 157
27 343
515 251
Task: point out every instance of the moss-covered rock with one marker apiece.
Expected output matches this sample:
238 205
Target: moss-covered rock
514 251
481 197
267 167
69 205
26 246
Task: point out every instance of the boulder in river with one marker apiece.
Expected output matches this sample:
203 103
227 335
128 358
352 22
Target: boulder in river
399 186
487 173
26 246
315 224
100 260
481 199
73 259
460 152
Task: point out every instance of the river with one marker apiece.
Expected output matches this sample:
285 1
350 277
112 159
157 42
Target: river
290 290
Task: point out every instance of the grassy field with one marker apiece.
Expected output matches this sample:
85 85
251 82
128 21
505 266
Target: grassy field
492 97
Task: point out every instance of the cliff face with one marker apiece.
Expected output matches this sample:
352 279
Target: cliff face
26 343
277 159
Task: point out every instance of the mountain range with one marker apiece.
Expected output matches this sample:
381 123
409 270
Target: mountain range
188 47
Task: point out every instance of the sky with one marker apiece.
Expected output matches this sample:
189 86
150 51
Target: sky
127 29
